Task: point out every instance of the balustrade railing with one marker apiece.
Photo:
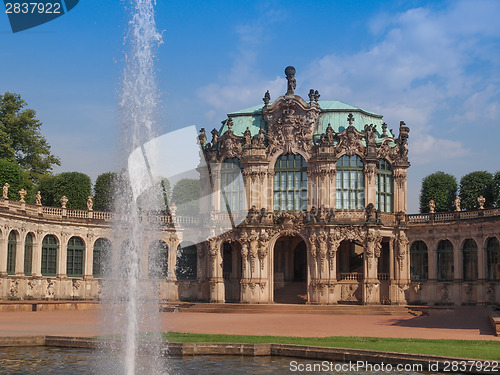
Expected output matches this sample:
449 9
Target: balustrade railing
350 276
383 276
451 216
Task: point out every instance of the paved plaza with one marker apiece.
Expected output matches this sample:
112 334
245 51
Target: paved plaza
463 323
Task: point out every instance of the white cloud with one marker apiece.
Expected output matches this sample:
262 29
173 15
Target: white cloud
437 69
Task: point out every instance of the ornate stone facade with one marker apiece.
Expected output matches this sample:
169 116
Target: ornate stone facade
325 184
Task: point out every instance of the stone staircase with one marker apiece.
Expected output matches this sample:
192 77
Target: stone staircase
291 293
281 308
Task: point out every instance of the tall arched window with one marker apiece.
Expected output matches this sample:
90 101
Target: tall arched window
290 183
158 260
469 258
232 188
102 250
350 183
28 254
385 187
445 261
11 253
50 246
74 264
419 267
187 262
493 255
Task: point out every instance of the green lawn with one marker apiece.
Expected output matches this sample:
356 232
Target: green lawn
451 348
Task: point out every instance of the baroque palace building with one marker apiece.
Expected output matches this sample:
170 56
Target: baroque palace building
327 224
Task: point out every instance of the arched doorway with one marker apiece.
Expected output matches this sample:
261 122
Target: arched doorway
350 261
231 270
290 270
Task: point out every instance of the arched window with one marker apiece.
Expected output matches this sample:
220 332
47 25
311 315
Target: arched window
74 264
419 266
158 260
445 261
102 249
28 254
232 188
11 253
187 262
493 255
350 183
469 258
385 187
50 246
290 183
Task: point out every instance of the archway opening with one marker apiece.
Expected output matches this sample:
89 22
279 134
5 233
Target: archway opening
290 270
231 270
350 274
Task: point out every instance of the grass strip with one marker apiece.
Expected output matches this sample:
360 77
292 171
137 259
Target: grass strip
449 348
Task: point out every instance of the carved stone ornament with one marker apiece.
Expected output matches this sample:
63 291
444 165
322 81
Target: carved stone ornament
350 140
291 123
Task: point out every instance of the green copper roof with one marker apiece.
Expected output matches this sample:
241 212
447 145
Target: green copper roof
333 112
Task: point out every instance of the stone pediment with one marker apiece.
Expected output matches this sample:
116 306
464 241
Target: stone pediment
291 122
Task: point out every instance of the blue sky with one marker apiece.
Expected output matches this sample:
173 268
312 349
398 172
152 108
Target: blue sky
434 65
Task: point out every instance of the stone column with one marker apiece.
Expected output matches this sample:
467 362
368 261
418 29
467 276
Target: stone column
3 250
216 281
245 269
20 252
370 183
216 203
481 271
88 264
334 240
36 267
62 255
399 175
371 284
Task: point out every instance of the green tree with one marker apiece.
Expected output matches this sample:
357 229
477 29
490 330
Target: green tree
12 174
473 185
75 186
442 188
496 189
186 196
104 191
21 140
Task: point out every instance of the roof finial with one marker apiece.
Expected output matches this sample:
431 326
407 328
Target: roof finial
350 119
290 76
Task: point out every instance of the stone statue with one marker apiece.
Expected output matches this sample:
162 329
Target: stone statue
432 206
22 194
90 203
457 204
6 190
370 212
173 209
215 137
38 198
266 98
202 137
290 76
63 201
481 200
248 137
229 124
311 95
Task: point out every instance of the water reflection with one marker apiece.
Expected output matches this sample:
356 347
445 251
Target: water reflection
43 360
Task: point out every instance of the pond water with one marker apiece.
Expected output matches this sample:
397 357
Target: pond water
47 360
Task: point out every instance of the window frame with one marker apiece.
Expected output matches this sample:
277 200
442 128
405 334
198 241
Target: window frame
350 183
290 183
